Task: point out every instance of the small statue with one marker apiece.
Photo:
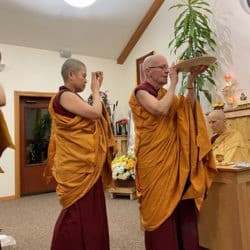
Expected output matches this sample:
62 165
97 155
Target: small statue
218 104
243 96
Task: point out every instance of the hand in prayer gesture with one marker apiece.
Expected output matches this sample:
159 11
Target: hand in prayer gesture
96 81
173 74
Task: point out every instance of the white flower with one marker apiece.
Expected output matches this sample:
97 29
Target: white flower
114 175
122 167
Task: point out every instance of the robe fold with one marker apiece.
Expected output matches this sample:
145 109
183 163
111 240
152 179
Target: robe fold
5 139
174 159
231 145
80 151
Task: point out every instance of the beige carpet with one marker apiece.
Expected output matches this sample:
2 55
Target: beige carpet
30 220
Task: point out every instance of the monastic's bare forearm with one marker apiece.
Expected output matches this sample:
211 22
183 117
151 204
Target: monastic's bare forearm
191 96
2 96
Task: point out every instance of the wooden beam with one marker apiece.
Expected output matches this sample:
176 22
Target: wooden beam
139 31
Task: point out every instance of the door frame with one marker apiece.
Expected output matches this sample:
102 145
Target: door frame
17 97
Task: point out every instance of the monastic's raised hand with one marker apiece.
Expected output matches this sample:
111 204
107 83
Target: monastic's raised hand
173 74
195 71
99 76
96 81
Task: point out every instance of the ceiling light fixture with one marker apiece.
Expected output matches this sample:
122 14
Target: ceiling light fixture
79 3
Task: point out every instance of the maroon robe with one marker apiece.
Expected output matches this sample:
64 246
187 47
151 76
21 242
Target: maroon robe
179 231
84 224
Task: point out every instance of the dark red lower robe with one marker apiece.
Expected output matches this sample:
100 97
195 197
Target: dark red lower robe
83 225
178 232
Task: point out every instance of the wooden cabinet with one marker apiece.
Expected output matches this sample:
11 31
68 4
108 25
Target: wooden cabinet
224 219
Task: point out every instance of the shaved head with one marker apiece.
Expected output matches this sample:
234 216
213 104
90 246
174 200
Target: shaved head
217 121
217 114
153 60
155 69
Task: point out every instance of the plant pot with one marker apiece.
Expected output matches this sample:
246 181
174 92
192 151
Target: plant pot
125 183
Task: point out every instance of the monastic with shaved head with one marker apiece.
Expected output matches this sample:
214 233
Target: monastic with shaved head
227 142
166 181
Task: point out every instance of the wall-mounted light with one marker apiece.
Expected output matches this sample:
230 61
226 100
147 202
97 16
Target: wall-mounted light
80 3
65 53
2 66
228 78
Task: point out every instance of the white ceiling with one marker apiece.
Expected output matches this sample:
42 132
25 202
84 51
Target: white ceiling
100 30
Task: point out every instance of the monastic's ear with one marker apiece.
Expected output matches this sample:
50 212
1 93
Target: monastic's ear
70 74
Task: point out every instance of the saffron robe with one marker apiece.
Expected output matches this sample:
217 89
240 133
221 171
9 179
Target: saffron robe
231 144
5 139
80 151
174 159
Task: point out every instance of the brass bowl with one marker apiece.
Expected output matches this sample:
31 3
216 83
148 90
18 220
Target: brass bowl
219 157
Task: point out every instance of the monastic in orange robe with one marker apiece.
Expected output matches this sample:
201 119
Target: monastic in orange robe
171 151
80 155
5 139
80 151
231 145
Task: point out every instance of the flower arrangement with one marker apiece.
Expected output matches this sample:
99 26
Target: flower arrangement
228 78
218 104
122 127
123 121
123 167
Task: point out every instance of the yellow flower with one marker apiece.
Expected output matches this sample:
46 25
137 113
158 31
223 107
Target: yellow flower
123 167
218 103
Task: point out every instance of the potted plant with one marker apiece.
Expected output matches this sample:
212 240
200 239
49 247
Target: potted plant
38 148
193 37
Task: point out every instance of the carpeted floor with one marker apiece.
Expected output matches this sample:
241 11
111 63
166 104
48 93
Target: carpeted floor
30 220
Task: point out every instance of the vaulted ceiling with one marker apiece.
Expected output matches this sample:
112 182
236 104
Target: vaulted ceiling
107 29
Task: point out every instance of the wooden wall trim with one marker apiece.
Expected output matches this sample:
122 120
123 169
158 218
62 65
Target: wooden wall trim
237 112
17 143
139 31
33 93
8 198
17 95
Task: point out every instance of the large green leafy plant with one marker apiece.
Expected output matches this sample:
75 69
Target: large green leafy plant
194 37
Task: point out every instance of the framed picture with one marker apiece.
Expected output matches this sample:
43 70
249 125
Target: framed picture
139 72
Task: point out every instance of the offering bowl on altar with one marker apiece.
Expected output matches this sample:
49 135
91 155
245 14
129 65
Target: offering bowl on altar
219 157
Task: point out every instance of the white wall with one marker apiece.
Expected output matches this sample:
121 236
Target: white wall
38 70
30 69
231 26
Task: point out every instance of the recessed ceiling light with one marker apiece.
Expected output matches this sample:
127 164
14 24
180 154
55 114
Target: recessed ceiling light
80 3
